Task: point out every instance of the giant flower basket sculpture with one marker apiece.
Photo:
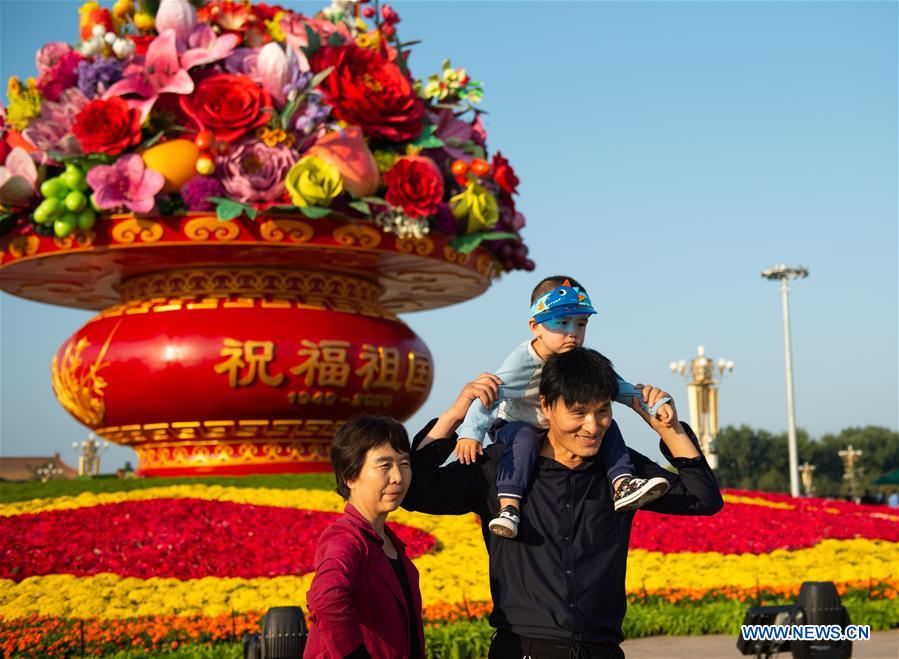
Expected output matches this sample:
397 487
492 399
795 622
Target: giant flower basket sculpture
248 197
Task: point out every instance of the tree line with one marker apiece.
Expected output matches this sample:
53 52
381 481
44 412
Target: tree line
753 459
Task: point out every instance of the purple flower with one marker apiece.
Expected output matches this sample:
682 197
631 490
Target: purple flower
94 78
254 171
127 182
243 61
52 131
197 191
313 113
300 83
443 221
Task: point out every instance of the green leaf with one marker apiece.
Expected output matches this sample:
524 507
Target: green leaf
475 150
280 207
375 200
497 235
361 206
315 212
147 143
319 77
289 109
335 39
313 40
466 244
228 209
427 139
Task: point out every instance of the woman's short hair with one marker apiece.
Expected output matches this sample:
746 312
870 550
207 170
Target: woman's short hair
354 440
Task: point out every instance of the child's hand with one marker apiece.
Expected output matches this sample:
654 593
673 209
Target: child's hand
468 450
666 418
666 415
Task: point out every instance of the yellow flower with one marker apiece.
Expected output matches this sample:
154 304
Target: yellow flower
436 88
313 182
24 102
385 160
123 8
369 40
274 27
143 21
475 206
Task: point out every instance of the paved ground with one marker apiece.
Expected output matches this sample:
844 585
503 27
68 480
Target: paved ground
883 645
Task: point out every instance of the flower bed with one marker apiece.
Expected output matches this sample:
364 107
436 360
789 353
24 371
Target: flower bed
710 567
138 539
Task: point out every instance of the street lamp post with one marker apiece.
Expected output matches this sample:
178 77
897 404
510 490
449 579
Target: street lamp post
850 455
702 392
784 274
89 460
807 471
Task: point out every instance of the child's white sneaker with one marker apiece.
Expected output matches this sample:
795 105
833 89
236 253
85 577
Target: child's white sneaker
506 523
635 492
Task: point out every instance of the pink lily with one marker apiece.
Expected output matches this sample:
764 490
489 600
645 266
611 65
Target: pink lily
18 178
205 47
160 73
177 15
275 69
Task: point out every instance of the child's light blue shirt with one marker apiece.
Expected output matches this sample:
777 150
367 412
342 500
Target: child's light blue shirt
519 395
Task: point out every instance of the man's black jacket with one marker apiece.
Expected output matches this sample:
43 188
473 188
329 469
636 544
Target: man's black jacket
563 576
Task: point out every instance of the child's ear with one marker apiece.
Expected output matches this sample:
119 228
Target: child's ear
533 324
543 406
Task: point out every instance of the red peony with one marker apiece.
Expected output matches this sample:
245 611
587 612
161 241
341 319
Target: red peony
414 184
62 75
107 126
228 105
503 174
368 91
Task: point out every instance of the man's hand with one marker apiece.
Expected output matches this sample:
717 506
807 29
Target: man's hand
468 450
485 388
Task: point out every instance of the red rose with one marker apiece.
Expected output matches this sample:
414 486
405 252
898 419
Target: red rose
108 126
368 91
414 184
503 174
228 105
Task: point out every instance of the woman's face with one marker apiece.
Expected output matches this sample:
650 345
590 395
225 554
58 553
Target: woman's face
382 482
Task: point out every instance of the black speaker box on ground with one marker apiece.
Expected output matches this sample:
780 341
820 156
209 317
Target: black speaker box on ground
283 633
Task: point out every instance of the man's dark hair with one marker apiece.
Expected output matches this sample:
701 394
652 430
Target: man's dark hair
355 438
579 376
551 283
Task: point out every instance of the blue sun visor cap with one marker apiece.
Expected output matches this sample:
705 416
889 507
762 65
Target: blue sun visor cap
562 301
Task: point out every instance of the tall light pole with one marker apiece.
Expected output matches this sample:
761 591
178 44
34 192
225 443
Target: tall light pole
784 274
89 460
702 393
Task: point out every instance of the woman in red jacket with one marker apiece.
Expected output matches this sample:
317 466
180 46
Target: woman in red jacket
364 600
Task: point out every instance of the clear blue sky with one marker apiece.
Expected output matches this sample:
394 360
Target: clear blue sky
668 152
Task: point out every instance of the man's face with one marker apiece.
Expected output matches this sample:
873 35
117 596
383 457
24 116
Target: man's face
576 431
